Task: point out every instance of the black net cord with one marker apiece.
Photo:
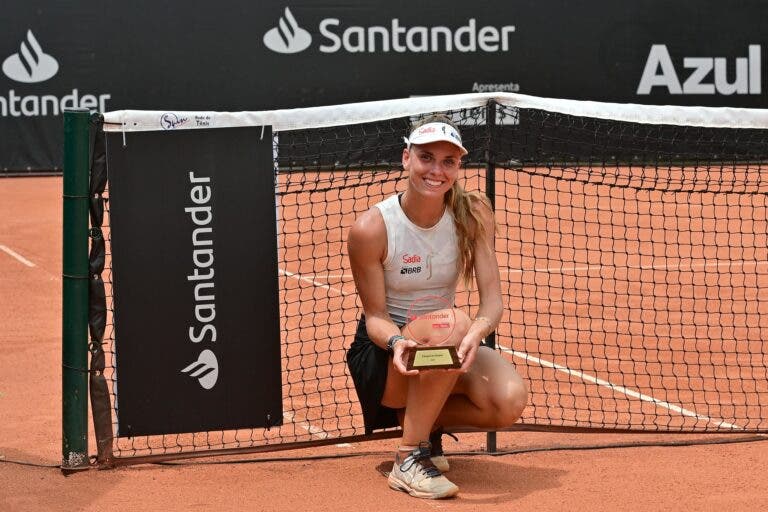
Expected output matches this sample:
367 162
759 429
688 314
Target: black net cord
97 310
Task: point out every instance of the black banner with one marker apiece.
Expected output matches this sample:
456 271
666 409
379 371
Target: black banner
194 262
212 56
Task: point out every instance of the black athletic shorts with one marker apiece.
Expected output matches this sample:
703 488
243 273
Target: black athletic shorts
368 365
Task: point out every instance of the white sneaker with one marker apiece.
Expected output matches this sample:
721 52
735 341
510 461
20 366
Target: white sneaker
441 463
417 476
438 458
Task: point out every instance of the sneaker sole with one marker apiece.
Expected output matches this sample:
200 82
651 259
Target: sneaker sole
399 485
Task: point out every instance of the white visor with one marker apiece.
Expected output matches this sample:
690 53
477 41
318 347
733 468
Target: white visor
435 132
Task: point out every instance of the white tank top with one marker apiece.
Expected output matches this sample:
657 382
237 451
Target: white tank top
421 267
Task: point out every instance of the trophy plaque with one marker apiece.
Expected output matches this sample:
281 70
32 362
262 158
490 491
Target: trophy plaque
433 330
433 358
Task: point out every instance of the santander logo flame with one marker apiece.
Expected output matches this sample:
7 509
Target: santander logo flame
205 369
288 36
30 64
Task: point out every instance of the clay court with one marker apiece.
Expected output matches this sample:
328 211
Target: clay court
543 471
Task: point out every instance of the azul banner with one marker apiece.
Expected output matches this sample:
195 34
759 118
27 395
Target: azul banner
197 330
206 57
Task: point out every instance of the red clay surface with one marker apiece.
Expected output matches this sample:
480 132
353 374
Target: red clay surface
703 477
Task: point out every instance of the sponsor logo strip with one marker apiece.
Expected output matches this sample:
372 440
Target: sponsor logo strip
289 37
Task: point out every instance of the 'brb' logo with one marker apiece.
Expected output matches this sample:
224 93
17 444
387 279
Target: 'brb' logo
205 369
288 36
30 64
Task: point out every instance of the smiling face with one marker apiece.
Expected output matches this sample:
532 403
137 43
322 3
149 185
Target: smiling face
433 168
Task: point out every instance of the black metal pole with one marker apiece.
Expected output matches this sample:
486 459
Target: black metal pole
490 192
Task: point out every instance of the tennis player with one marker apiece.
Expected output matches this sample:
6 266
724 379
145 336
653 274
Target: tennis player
409 249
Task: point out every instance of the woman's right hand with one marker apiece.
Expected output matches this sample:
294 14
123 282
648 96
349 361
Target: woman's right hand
400 356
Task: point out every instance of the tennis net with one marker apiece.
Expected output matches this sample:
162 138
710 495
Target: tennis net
632 243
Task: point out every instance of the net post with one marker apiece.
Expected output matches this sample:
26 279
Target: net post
74 370
490 192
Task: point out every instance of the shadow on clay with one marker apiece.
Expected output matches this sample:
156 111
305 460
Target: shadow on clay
485 479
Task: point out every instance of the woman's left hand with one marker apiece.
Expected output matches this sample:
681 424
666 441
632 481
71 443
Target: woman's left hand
467 350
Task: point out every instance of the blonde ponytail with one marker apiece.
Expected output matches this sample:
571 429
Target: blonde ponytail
469 226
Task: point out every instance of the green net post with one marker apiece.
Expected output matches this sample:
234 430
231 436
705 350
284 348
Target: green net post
75 291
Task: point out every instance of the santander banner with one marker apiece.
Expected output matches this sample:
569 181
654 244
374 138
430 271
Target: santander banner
277 54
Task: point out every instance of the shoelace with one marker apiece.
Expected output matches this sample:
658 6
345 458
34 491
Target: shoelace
421 453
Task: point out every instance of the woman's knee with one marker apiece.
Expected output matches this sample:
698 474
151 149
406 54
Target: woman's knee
509 402
506 393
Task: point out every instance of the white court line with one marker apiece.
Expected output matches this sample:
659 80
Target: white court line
682 268
311 281
16 255
313 430
331 276
565 270
620 389
581 375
